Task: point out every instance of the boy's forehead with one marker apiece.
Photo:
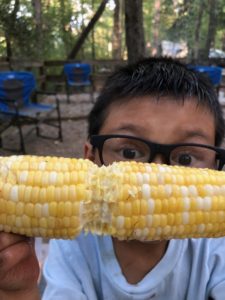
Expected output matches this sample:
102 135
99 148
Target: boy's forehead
159 102
147 117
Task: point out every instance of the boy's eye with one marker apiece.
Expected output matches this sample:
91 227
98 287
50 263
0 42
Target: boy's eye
116 149
187 158
184 159
129 153
193 156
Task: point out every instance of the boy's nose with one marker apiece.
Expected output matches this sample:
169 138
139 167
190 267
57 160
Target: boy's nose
160 159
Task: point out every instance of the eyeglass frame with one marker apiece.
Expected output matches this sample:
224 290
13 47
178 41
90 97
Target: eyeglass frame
97 141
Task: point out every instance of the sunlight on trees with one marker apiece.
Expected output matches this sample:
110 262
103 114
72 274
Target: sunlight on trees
50 29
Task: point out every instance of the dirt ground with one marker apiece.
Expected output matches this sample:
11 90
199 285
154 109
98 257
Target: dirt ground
74 130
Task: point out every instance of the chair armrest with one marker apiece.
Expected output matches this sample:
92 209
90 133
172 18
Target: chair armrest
46 93
49 93
11 103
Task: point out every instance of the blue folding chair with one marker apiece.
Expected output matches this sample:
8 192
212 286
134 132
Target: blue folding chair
77 75
16 91
213 73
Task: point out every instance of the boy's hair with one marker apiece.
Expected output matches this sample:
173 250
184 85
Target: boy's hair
156 77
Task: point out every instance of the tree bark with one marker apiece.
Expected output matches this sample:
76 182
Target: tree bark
116 41
87 30
63 24
134 30
37 5
12 18
156 44
93 36
8 47
223 42
210 40
198 29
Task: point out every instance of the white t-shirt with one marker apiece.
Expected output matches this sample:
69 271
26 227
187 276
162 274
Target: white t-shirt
87 268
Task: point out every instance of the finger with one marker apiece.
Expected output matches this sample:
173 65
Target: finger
13 254
18 263
7 239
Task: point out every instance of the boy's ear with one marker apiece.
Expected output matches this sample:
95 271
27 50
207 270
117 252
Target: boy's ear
88 151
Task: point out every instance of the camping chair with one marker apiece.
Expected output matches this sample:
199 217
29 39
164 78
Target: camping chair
16 90
77 75
213 73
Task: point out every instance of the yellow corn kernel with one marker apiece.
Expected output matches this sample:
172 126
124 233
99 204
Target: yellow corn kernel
29 209
127 209
136 207
59 197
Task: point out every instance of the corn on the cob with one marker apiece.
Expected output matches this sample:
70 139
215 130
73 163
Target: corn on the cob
59 197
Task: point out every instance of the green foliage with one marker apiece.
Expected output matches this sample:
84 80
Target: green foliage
182 22
148 17
62 22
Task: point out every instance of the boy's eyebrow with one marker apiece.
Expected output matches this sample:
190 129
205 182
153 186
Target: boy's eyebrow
195 133
186 134
128 127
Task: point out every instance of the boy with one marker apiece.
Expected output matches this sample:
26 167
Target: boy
142 109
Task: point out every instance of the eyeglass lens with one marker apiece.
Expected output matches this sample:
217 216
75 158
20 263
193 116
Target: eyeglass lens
125 149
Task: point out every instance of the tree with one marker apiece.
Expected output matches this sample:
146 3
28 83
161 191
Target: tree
135 40
57 29
92 36
37 5
87 30
9 24
200 11
156 28
210 39
117 32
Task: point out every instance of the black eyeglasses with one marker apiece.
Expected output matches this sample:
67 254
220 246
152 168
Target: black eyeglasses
124 148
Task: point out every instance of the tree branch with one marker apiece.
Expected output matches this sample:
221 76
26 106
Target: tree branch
87 30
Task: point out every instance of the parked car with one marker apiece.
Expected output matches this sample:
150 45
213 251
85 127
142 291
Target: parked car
216 53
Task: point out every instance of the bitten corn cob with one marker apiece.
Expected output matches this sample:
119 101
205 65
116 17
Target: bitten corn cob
59 197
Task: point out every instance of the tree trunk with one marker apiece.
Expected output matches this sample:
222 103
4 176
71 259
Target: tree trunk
223 42
37 5
93 36
87 30
134 30
156 25
8 31
117 38
210 40
8 47
197 30
63 24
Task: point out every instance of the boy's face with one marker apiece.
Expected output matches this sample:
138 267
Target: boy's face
163 121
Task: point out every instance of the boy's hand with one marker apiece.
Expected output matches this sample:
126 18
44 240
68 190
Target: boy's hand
19 268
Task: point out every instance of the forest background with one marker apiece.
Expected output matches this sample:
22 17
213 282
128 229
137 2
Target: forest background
110 29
